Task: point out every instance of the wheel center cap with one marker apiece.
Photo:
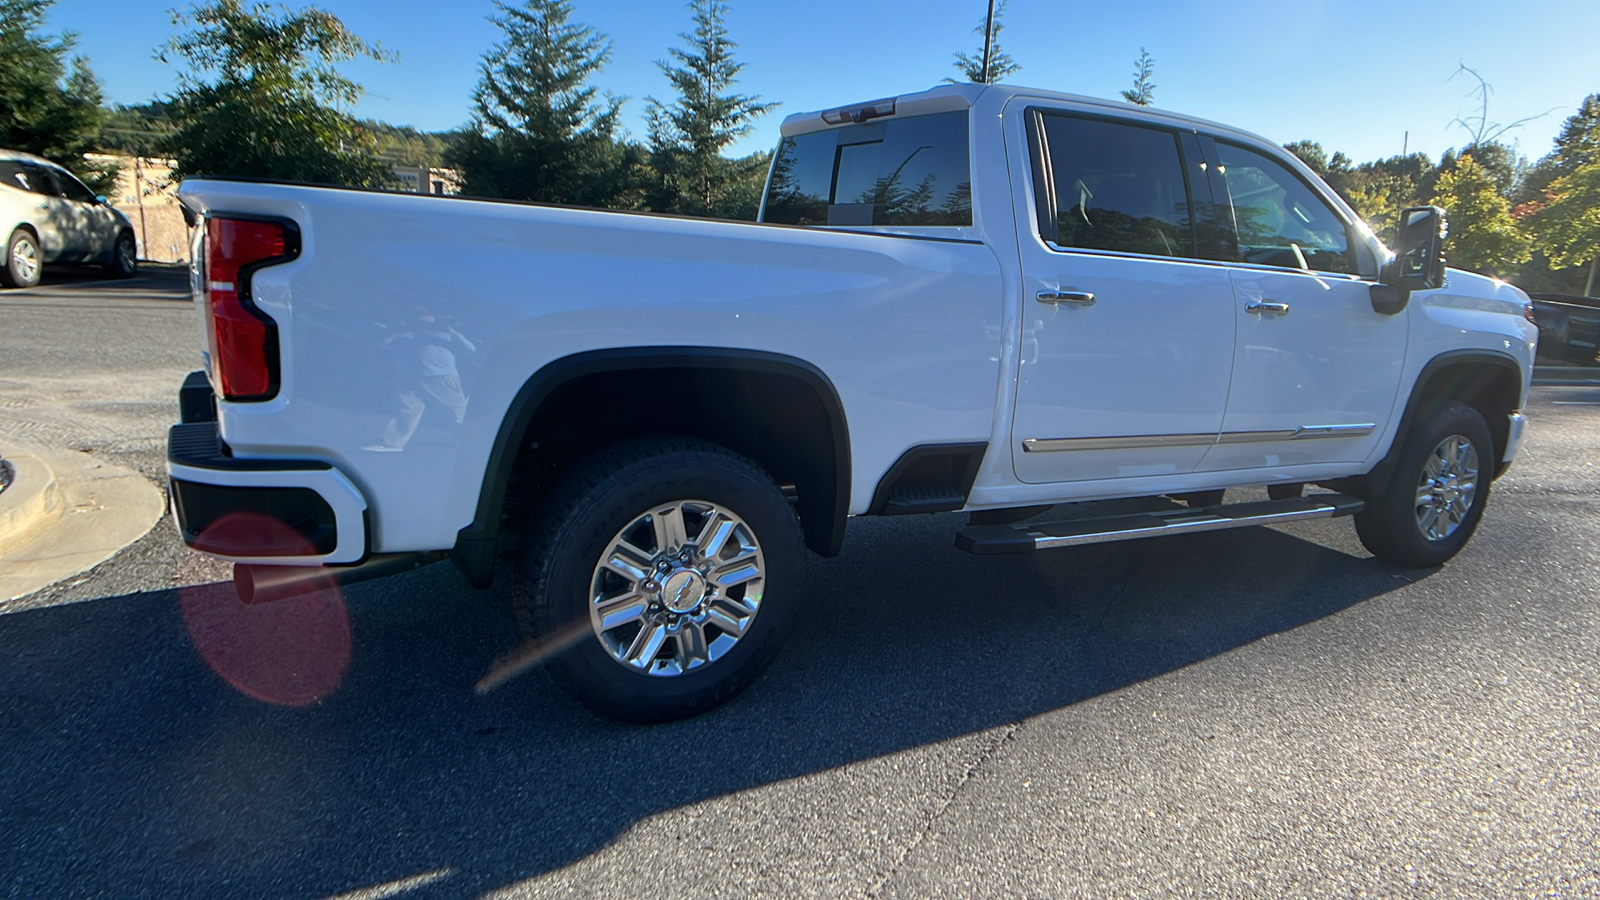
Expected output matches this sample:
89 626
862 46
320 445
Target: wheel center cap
683 590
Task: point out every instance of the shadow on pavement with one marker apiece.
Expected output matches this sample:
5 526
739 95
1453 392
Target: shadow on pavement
152 281
126 766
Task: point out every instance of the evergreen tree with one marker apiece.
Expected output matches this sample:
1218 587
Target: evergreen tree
262 97
1578 144
49 104
1483 236
689 135
1000 63
1143 92
540 131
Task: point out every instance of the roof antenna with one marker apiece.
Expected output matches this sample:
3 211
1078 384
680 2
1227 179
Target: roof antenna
988 37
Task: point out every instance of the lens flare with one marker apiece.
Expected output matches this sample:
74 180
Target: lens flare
290 652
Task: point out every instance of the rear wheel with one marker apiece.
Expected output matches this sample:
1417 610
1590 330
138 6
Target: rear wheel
1437 493
23 262
673 564
124 257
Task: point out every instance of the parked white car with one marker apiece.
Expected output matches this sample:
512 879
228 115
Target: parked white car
988 299
49 216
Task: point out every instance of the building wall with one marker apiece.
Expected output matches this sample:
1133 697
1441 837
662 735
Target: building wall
148 196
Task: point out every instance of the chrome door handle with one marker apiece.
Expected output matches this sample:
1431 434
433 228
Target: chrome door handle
1266 306
1056 298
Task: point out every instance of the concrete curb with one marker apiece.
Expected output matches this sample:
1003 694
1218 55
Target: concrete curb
1566 375
32 500
79 512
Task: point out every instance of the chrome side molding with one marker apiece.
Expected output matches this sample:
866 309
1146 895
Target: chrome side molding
1145 441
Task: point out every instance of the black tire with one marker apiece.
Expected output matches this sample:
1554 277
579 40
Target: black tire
124 257
15 270
1390 526
575 526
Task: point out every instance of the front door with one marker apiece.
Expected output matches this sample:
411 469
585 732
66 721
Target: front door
1128 340
1316 370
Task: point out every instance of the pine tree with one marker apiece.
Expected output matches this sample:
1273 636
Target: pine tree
689 135
262 96
1143 92
1483 236
540 131
49 104
1000 63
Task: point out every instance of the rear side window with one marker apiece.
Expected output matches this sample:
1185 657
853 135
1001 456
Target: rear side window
41 180
25 176
913 171
1114 186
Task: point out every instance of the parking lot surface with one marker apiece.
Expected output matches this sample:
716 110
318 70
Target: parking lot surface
1255 713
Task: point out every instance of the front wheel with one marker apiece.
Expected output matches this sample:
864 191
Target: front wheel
1437 493
23 262
681 558
124 257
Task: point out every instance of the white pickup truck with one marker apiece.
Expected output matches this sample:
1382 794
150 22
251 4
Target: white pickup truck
989 299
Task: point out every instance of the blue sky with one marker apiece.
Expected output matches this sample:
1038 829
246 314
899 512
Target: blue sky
1355 75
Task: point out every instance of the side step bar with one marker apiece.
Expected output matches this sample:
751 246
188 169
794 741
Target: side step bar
1025 537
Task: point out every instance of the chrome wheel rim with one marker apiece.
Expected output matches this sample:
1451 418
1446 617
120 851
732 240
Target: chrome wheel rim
677 588
126 254
25 260
1448 486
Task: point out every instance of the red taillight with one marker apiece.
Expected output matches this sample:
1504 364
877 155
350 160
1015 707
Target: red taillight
243 341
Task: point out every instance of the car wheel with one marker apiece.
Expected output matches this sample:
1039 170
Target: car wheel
1437 493
124 257
673 567
23 262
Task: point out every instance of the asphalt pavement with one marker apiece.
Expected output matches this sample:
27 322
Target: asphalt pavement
1255 713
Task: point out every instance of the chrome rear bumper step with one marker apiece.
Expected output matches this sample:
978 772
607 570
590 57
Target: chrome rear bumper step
1026 537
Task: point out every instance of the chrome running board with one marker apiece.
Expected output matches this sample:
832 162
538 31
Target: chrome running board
1025 537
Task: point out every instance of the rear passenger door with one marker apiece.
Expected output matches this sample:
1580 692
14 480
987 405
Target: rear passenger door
1128 336
1317 370
49 214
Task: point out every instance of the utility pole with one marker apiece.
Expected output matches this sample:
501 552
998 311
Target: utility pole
1405 143
988 39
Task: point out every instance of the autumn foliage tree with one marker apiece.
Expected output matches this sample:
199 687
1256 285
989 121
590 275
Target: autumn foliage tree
1483 237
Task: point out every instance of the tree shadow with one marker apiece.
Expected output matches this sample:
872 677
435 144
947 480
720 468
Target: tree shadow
126 766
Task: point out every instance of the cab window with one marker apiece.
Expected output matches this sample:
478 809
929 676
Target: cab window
1278 219
1114 186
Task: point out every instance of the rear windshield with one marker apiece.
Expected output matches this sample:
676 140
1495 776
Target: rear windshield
912 171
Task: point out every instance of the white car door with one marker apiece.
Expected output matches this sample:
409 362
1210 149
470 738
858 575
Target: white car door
1316 371
1129 334
49 216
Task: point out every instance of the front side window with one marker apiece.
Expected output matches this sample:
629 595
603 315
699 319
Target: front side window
904 172
73 189
1115 186
1279 220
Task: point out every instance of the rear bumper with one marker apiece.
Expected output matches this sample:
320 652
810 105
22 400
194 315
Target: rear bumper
219 502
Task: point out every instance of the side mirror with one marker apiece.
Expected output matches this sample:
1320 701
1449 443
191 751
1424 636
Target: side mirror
1418 263
100 199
